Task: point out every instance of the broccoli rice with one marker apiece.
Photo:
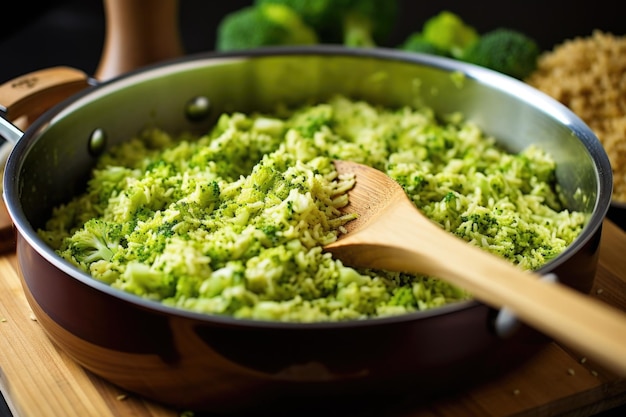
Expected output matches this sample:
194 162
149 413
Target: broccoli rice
234 222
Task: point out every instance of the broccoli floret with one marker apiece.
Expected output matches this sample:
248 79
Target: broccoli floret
448 32
367 23
97 240
358 23
505 50
318 14
417 43
263 25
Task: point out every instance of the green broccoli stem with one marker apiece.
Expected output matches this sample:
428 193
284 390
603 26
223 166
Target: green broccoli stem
357 31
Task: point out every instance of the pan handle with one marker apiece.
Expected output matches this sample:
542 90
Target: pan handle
506 322
9 133
25 98
22 100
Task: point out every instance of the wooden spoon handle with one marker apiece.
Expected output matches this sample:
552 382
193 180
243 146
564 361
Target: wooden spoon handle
575 319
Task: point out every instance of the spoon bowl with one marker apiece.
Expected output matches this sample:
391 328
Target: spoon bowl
391 233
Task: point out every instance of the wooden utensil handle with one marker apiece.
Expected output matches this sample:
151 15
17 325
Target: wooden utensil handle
575 319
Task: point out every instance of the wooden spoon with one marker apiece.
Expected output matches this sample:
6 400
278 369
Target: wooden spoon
391 233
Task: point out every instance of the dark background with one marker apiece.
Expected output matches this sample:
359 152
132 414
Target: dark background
71 32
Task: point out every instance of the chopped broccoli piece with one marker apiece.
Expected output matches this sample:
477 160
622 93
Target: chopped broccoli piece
263 25
448 32
141 279
97 240
403 296
505 50
358 23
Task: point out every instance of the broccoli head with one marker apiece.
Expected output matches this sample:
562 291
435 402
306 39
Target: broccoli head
263 25
448 32
367 23
357 23
318 14
417 43
97 240
505 50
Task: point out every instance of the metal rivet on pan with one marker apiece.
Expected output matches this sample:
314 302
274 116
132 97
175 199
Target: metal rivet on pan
197 108
97 142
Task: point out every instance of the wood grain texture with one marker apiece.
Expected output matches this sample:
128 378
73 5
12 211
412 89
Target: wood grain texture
40 381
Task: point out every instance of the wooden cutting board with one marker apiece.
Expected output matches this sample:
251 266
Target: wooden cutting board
39 380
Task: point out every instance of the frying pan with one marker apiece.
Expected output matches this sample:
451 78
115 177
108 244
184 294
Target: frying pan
221 364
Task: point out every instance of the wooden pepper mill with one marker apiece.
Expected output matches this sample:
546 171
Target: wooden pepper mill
138 33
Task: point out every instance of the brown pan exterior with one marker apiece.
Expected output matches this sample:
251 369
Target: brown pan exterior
225 366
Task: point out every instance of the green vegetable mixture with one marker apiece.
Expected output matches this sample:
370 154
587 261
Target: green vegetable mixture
233 223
